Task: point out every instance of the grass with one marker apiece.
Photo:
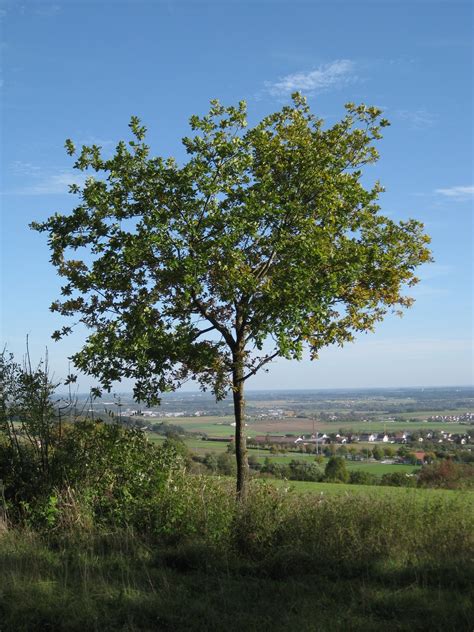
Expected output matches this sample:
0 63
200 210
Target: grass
367 466
421 494
200 447
395 560
134 589
218 426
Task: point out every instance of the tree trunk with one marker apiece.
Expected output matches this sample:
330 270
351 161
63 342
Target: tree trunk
240 438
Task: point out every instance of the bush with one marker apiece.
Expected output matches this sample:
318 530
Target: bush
109 473
226 464
198 508
304 471
398 479
359 477
447 474
336 470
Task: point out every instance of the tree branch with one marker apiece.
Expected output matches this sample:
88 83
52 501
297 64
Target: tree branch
265 360
203 331
217 325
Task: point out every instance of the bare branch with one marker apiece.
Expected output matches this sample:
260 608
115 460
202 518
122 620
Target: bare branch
220 328
203 331
265 360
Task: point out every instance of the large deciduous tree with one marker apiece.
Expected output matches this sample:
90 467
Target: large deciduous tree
262 243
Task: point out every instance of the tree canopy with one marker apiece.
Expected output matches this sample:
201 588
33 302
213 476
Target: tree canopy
263 242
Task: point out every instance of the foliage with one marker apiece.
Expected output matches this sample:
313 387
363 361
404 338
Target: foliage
265 241
31 427
113 473
336 470
360 477
447 474
398 479
304 471
226 464
377 453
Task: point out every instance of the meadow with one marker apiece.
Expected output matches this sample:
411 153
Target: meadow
219 426
421 496
306 556
113 532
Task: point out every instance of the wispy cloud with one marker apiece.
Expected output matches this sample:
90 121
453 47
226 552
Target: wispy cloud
22 168
325 77
95 140
417 119
55 184
45 184
458 193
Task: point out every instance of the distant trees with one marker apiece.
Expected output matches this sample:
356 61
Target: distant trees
398 479
448 474
377 453
361 477
336 470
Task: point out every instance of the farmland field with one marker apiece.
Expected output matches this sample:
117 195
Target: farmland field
220 426
424 495
200 447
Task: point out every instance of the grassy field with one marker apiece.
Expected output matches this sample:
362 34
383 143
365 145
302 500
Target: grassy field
219 426
374 467
122 585
326 558
201 448
421 495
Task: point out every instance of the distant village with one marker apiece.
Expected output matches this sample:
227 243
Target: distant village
400 437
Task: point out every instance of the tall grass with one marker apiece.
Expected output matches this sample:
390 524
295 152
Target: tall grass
282 561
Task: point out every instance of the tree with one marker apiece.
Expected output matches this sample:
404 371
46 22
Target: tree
377 453
263 243
389 452
336 470
342 451
210 461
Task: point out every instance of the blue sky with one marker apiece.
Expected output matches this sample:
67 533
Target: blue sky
80 69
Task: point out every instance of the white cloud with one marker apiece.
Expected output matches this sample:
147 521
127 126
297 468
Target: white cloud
417 119
332 75
57 183
95 140
53 184
457 193
22 168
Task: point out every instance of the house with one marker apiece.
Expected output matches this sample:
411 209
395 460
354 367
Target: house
274 439
367 437
320 439
383 437
400 437
420 457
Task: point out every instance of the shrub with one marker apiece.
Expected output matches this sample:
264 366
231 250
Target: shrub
398 479
448 474
304 471
226 464
199 508
336 470
359 477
